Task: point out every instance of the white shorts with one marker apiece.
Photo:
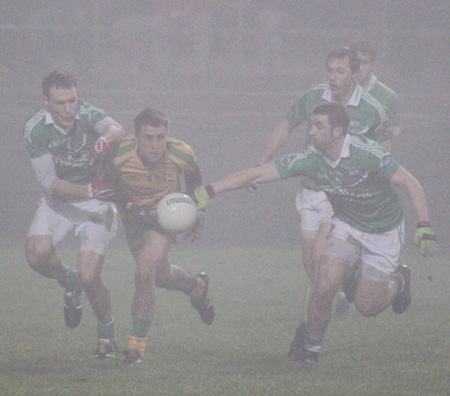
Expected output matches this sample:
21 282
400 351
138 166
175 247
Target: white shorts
378 251
93 222
315 209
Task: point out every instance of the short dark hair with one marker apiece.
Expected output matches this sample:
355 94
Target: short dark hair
346 52
337 114
151 117
364 47
58 80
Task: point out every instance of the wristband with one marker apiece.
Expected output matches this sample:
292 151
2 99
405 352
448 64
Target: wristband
423 224
209 189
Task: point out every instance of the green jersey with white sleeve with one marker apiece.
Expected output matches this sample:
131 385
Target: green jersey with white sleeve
388 99
367 115
357 185
68 149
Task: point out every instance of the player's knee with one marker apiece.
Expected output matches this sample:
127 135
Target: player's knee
324 289
145 275
38 252
366 307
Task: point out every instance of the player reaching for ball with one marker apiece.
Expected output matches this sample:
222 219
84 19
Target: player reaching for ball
144 169
359 177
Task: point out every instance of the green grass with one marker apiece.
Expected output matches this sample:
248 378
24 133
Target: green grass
257 293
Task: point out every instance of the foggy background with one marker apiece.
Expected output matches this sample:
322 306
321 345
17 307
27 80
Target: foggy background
225 72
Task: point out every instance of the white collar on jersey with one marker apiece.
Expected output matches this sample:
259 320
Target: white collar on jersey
354 99
49 121
371 83
345 152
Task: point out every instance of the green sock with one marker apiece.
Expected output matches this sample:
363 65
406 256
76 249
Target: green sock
140 328
106 330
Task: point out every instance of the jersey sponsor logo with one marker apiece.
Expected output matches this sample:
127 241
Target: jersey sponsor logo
70 152
70 145
343 192
71 160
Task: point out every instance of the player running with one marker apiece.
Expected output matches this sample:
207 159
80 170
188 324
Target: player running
367 118
359 177
144 169
65 139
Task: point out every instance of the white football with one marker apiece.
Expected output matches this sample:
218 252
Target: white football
176 213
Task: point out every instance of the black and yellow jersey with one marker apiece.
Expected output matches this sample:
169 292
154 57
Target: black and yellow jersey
141 184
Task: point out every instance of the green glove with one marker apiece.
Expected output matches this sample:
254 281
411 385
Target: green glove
425 239
195 232
202 196
201 217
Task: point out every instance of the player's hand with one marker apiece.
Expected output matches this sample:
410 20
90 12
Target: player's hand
101 149
202 196
253 186
102 190
140 215
195 232
425 239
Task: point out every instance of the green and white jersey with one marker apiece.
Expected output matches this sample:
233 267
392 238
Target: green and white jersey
388 99
367 115
69 150
357 185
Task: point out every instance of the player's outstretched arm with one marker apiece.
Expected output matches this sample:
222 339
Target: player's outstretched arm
275 142
424 237
261 174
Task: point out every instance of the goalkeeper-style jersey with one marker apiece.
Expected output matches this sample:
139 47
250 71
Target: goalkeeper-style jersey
143 185
357 185
69 150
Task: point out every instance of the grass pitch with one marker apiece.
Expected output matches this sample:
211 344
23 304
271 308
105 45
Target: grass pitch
257 294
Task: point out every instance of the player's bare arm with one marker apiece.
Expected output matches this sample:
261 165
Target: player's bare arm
407 182
260 174
424 237
276 141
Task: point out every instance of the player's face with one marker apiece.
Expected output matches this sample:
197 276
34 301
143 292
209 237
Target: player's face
62 104
341 79
321 133
365 69
151 143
